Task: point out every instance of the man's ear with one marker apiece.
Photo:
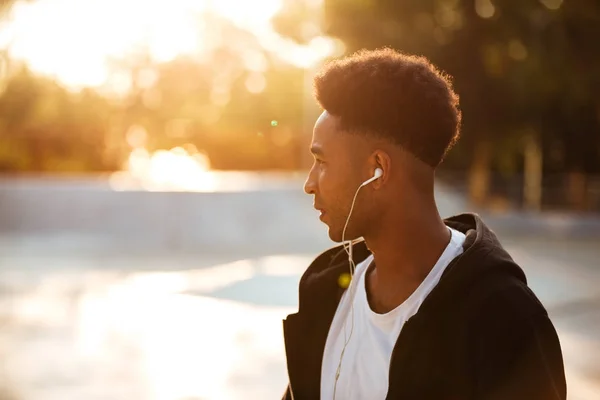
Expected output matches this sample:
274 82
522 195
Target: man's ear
382 160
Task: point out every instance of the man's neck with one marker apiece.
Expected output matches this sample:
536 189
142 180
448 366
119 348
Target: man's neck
405 248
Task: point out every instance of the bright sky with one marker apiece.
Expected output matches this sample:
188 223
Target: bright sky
73 40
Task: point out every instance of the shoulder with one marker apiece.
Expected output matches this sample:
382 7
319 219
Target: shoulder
513 347
506 296
502 307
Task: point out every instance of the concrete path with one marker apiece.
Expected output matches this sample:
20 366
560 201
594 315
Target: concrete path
177 328
101 302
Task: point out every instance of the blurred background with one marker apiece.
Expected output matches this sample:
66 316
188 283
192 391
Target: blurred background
152 222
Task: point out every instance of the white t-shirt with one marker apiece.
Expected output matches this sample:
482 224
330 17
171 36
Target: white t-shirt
366 361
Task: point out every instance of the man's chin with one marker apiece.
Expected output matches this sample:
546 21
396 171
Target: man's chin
335 235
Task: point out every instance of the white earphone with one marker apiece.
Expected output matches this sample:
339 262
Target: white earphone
378 173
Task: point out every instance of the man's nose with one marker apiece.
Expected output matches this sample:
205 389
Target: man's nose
309 185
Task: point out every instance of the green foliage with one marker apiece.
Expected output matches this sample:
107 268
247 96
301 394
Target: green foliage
43 127
526 66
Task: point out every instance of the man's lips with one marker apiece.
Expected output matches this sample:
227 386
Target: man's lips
321 211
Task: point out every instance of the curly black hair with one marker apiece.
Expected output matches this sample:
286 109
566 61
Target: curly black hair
393 95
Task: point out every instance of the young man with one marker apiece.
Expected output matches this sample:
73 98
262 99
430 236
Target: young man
436 309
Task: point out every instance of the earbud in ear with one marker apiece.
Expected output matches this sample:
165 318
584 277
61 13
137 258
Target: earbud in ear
376 175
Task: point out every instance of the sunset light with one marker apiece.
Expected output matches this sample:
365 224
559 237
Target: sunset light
83 43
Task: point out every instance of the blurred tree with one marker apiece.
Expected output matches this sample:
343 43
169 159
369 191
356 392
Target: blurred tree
520 66
5 5
223 105
43 127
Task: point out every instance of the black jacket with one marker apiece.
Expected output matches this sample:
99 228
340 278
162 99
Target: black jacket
480 334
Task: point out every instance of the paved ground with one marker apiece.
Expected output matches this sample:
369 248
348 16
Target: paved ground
178 328
76 329
98 318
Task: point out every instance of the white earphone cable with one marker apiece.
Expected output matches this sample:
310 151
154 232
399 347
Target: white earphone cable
352 266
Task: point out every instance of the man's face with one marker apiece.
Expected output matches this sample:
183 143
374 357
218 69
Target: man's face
334 178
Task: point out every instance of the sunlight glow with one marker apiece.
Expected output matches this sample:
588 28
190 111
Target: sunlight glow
485 8
80 43
552 4
178 169
172 170
256 82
